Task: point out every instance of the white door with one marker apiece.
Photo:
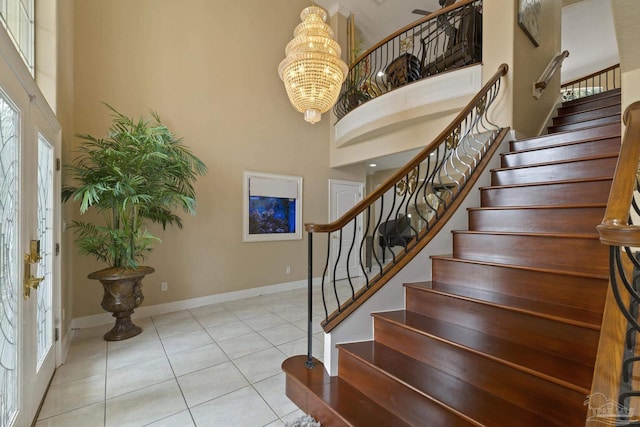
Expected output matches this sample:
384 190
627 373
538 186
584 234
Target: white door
29 206
343 195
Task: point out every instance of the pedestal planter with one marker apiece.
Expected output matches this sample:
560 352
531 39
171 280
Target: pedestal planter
122 294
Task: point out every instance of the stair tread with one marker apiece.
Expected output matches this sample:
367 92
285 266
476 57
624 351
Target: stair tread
449 391
586 99
564 181
590 123
550 147
545 309
523 267
586 119
565 133
557 162
537 207
351 405
588 110
551 367
593 235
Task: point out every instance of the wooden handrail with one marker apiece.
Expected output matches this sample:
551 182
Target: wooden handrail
408 27
614 230
549 71
590 76
404 171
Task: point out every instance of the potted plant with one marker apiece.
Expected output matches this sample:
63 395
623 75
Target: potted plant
139 173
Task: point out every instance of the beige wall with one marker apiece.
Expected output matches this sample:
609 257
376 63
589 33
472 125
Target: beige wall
505 42
210 70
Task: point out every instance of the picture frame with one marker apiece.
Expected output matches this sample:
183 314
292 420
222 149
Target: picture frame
528 19
272 207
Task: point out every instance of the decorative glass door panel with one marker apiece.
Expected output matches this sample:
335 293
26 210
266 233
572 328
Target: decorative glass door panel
44 313
9 260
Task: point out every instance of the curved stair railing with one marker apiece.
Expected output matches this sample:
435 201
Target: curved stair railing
444 40
402 215
616 373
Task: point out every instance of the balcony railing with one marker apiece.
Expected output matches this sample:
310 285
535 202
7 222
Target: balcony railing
600 81
442 41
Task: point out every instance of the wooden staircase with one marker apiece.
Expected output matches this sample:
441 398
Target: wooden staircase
506 333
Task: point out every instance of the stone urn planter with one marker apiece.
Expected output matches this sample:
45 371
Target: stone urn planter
122 295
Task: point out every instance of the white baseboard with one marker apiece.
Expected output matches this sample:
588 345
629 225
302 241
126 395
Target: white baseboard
154 310
64 347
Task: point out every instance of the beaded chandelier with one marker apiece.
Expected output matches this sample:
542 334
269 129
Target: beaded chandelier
312 70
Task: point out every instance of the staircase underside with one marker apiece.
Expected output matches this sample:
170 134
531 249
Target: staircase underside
506 332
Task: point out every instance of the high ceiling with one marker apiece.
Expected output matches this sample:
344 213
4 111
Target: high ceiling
376 19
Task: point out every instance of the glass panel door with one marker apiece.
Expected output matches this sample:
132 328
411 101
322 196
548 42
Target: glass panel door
44 312
29 227
9 261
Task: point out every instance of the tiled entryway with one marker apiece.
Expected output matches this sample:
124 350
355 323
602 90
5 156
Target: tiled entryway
217 365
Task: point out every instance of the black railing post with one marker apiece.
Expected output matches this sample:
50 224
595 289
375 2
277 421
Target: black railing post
309 363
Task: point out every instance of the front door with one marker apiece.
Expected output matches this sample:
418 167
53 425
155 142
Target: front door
345 259
29 195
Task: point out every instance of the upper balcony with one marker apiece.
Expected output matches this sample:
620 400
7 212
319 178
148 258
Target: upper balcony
424 70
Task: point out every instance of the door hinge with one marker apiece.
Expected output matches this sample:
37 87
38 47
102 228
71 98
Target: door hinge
57 334
58 164
57 248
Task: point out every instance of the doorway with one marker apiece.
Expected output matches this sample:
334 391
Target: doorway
29 230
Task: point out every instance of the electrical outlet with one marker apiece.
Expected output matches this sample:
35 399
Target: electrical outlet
288 270
163 286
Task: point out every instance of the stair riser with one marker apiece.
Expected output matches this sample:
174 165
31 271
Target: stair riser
551 220
593 168
394 396
566 193
570 341
548 399
587 115
566 254
607 131
585 124
574 291
313 405
560 153
581 105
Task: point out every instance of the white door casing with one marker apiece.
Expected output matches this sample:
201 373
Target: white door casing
343 195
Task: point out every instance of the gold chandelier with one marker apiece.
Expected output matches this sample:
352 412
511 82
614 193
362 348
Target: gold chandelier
312 70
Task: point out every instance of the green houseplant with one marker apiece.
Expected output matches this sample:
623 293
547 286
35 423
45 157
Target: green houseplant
139 173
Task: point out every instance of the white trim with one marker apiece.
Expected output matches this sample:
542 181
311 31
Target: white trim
154 310
277 186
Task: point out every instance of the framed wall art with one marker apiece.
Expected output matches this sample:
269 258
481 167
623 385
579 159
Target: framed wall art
272 207
528 19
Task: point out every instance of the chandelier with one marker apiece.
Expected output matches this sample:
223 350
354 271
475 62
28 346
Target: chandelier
312 70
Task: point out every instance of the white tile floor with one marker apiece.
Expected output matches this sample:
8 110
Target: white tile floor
217 365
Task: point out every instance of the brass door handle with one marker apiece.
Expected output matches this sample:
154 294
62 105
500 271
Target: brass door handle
31 283
33 257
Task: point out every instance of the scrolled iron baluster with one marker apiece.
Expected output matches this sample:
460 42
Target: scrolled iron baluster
453 138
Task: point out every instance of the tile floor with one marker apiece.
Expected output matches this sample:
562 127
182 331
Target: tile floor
217 365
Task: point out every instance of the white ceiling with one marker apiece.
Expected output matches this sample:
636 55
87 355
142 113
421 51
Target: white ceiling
376 19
